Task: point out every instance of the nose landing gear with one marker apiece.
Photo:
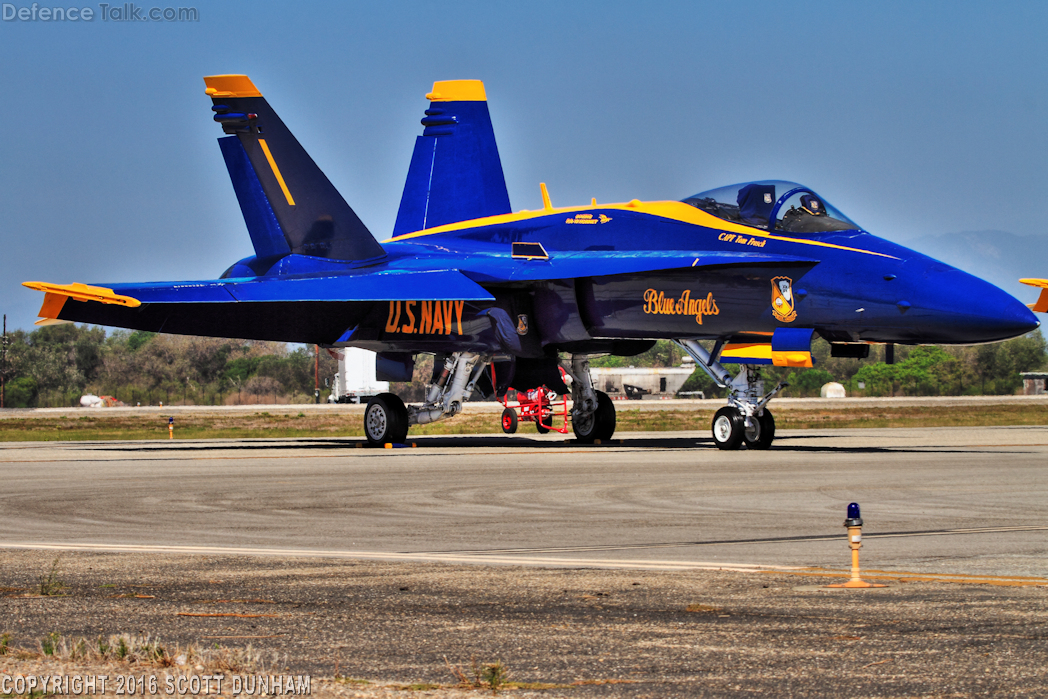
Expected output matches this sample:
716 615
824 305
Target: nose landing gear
746 419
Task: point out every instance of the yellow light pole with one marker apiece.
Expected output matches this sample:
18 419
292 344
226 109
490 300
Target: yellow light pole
854 525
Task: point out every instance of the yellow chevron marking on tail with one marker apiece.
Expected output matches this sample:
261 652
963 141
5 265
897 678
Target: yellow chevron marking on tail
276 171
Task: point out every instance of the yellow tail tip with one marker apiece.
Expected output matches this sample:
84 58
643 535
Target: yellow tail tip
458 91
230 86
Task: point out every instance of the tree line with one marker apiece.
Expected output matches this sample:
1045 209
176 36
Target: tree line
922 370
54 365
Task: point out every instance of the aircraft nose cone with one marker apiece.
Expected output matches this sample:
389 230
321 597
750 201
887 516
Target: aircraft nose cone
968 309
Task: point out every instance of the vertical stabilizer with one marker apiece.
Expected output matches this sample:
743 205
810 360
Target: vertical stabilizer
455 172
293 198
267 237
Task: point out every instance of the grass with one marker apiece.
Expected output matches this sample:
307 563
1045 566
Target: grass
141 651
493 676
98 426
50 585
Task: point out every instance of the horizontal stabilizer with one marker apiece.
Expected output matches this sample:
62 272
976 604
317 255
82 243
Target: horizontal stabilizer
455 172
1042 302
83 292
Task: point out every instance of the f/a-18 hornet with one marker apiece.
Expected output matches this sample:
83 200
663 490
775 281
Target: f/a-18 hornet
757 268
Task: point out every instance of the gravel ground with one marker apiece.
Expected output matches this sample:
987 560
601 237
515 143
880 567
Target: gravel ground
588 633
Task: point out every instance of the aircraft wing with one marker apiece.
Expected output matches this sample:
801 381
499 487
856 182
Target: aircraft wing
316 309
392 285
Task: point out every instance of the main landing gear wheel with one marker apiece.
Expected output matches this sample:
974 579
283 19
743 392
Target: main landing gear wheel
599 425
728 428
385 420
760 433
509 420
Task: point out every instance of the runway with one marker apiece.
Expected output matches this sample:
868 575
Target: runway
962 502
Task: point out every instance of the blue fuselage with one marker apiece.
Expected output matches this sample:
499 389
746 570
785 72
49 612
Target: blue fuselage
616 274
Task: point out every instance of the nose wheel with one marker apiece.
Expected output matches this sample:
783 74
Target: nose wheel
731 429
760 431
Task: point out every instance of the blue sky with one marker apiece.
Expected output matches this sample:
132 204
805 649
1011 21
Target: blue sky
914 118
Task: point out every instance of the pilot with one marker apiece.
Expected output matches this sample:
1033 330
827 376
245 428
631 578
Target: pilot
755 204
812 205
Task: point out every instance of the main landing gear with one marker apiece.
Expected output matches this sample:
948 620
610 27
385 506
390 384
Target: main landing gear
592 412
387 419
746 419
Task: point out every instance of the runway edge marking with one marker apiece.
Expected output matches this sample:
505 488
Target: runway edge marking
384 556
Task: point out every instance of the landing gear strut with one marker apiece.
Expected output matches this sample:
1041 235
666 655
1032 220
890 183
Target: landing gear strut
386 419
746 419
593 413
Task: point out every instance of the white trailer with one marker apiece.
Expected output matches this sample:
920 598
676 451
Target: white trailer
355 381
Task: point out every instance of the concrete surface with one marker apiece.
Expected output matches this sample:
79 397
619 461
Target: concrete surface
966 501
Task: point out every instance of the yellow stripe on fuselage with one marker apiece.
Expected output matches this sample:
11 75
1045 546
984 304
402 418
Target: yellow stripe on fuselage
671 210
276 171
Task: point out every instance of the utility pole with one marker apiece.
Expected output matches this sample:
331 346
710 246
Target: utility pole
3 366
316 373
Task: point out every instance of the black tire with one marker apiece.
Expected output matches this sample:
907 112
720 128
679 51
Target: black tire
763 433
600 425
385 420
509 420
728 428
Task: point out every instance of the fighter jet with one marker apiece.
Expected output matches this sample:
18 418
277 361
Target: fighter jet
757 269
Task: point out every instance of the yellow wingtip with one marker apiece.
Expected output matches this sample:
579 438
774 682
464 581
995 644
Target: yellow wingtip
230 86
458 91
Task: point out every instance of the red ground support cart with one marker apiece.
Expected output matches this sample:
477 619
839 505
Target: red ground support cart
539 405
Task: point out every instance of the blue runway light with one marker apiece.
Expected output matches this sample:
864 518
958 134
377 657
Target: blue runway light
171 421
854 519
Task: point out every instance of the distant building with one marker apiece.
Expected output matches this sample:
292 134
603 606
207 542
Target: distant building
1034 383
636 383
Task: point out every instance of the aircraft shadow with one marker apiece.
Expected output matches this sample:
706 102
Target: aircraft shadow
503 442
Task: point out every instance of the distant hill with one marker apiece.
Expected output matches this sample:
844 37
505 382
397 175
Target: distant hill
999 257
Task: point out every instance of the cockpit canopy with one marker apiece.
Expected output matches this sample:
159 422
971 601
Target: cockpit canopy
792 207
